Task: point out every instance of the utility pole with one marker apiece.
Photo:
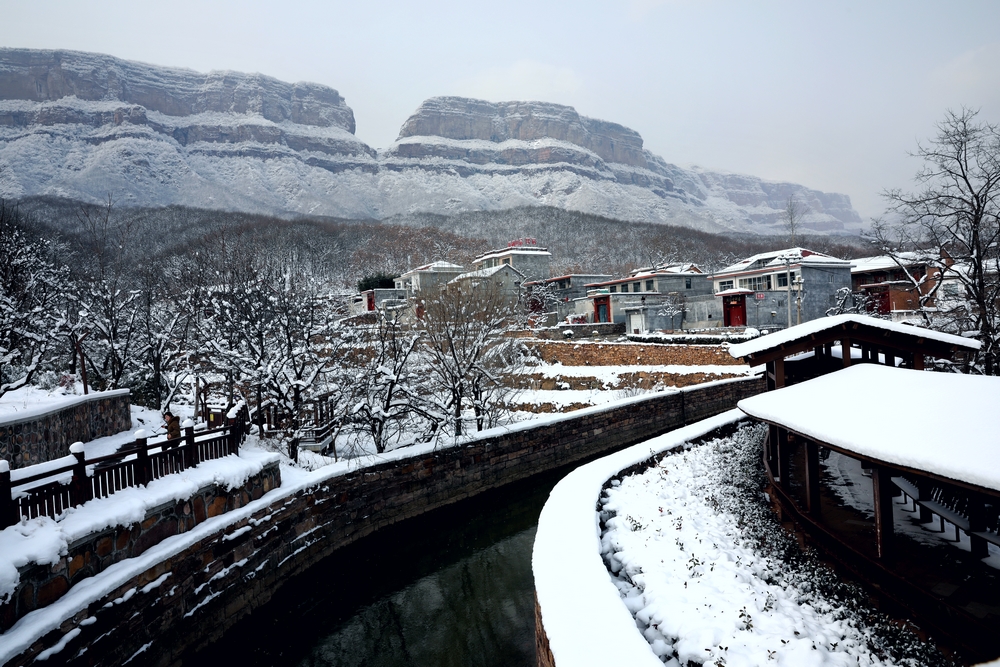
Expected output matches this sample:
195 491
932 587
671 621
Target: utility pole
788 288
798 298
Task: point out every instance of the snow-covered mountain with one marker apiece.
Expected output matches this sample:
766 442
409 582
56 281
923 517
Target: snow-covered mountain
81 126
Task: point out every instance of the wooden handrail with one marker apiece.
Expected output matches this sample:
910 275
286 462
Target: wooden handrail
138 464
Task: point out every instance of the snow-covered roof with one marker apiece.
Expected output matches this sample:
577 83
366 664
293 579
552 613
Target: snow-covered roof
485 273
807 329
957 439
734 292
436 266
882 263
776 259
670 268
513 250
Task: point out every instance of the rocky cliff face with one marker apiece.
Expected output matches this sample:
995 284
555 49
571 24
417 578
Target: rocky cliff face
84 125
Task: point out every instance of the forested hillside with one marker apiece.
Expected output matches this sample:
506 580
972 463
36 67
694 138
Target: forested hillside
346 250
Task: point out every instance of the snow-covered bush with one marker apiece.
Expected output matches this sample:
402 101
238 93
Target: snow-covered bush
712 578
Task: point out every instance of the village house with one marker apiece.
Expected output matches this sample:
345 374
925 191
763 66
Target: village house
648 298
503 277
427 277
560 293
893 287
371 300
776 289
525 255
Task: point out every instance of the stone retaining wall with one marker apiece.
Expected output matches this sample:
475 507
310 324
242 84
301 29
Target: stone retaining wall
41 585
209 586
45 436
621 354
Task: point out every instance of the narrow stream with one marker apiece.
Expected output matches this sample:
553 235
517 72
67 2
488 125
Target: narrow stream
451 588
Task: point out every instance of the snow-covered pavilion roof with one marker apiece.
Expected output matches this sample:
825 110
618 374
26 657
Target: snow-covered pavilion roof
958 439
808 330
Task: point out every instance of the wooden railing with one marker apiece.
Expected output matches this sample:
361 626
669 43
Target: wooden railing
73 480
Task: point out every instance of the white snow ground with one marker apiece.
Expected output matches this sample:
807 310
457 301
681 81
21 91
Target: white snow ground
690 568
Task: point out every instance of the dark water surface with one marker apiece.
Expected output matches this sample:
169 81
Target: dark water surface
451 588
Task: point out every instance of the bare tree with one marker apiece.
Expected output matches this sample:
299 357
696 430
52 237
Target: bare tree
30 287
388 388
953 224
459 327
793 217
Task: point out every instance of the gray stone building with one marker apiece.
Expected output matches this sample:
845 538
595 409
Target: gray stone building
525 255
768 290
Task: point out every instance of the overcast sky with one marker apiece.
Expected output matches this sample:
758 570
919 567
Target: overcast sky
828 94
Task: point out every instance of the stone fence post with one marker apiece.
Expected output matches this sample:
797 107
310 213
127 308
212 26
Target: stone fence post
80 490
190 446
142 469
7 517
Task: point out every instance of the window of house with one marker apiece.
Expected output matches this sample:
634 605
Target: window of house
757 283
624 287
649 285
636 287
782 279
687 283
506 260
613 289
725 284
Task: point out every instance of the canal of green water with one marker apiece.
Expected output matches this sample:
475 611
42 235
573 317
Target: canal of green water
450 588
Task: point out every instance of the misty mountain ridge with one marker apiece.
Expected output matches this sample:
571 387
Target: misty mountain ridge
80 126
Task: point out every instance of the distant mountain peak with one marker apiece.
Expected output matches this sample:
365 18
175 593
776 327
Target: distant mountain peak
83 125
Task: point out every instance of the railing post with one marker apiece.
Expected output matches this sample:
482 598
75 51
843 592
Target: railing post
79 489
190 446
293 450
141 458
7 512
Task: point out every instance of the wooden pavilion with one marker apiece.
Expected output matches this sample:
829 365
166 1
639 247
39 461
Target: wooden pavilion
848 400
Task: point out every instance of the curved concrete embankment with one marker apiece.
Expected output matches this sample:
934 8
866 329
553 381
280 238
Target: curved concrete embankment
193 586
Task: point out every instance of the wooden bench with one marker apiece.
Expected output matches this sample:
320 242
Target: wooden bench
953 516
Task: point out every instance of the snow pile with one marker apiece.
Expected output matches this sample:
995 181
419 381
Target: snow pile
712 578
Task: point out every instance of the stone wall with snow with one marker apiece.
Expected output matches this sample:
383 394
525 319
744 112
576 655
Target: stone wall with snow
44 433
224 567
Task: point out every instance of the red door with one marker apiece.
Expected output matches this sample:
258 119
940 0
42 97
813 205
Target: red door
734 311
602 309
371 301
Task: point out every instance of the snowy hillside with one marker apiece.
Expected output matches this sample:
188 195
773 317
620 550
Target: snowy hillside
81 126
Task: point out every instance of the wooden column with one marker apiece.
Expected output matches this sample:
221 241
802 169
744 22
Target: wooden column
845 351
977 524
882 491
771 449
779 373
924 489
812 477
783 450
918 361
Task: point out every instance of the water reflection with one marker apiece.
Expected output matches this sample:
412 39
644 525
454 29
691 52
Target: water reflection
452 588
476 612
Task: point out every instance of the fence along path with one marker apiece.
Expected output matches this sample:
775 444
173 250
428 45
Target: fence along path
49 489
